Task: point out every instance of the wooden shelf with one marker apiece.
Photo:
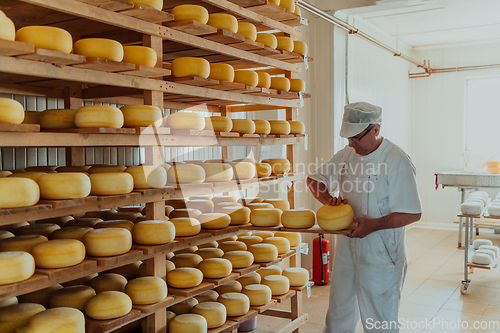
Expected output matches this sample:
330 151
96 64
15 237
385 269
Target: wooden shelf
221 281
190 292
264 307
102 326
241 319
229 326
281 298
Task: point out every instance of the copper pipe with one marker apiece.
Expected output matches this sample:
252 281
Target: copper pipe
452 70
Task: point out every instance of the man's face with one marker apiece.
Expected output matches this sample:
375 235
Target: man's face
366 141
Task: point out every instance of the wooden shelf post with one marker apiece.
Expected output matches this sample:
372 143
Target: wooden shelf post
73 100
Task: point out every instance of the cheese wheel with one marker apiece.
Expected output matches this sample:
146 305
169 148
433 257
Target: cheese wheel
21 243
284 43
56 320
335 217
264 80
266 217
108 282
495 249
212 244
297 85
264 252
16 315
215 268
190 66
37 229
186 174
258 294
279 284
116 224
107 242
268 40
280 127
263 234
60 221
5 173
188 323
229 246
221 72
18 192
185 212
153 232
243 170
72 297
481 258
288 5
262 126
168 210
129 271
45 37
207 296
218 124
183 307
42 168
4 234
191 249
296 127
146 290
248 233
247 30
281 243
141 115
493 170
230 238
204 206
57 119
229 287
236 304
33 175
210 252
239 259
7 28
15 266
223 198
108 305
106 168
214 220
279 165
300 47
129 216
99 48
185 277
293 237
213 312
251 278
263 169
223 21
247 200
250 240
247 77
280 83
190 13
297 10
218 172
58 253
186 260
139 55
147 176
99 116
41 296
282 204
186 226
258 205
488 252
156 4
83 222
481 242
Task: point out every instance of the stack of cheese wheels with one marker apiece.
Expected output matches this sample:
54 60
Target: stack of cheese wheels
190 66
238 215
190 13
215 268
148 176
297 85
229 287
279 284
185 277
107 242
72 297
218 124
236 304
186 226
57 119
7 28
280 83
184 307
186 120
58 253
186 260
243 170
298 218
210 252
55 320
14 316
258 294
284 43
246 77
296 127
111 183
16 266
207 296
300 47
45 229
141 115
21 243
223 21
217 172
184 212
288 5
264 80
189 322
108 305
268 40
204 206
45 37
262 126
72 232
139 55
333 218
281 243
186 174
252 278
214 220
282 204
18 192
146 290
213 312
153 232
99 116
293 237
250 240
270 270
229 246
248 30
263 252
266 217
492 168
104 168
68 185
278 165
279 126
239 259
297 276
108 282
221 72
243 126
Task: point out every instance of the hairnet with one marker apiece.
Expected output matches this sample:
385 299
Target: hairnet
358 116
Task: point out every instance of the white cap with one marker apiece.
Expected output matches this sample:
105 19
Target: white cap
358 116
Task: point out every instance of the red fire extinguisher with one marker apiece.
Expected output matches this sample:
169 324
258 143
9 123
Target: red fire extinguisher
321 260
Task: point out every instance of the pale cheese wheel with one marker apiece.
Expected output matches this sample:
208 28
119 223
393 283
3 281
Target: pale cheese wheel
262 126
279 165
215 268
190 13
44 229
104 168
185 212
41 296
493 170
184 307
15 266
207 296
99 116
46 37
335 217
268 40
139 55
214 220
247 30
186 174
146 290
18 192
108 305
21 243
56 320
280 83
83 222
223 21
213 312
223 198
282 204
185 277
488 252
168 210
5 173
72 297
236 304
186 260
258 294
129 271
69 185
297 276
293 237
186 226
108 282
99 48
230 238
297 85
264 80
284 43
495 249
300 47
188 323
288 5
190 66
33 175
129 216
147 176
263 170
125 224
217 172
250 240
57 119
153 232
298 218
248 233
229 287
218 124
264 252
243 170
281 243
279 284
7 28
239 259
210 252
191 249
246 77
243 126
107 242
17 315
204 206
266 217
279 127
141 115
238 215
249 200
481 258
58 253
492 164
251 278
263 234
4 234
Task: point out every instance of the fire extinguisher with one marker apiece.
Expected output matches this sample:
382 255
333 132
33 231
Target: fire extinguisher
321 260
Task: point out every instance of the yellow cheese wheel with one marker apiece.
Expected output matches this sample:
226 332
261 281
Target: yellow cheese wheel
186 260
296 127
183 307
146 290
284 43
72 297
279 126
7 28
215 268
297 85
191 249
141 115
264 252
288 5
168 210
21 243
268 40
185 120
129 271
282 204
148 176
111 183
214 220
266 217
248 30
293 237
236 304
263 234
280 83
243 170
257 205
139 55
492 164
218 124
300 47
185 277
204 206
229 246
4 234
185 212
210 252
250 240
213 312
238 215
18 192
262 126
264 80
15 266
108 282
219 208
60 221
229 287
218 172
58 253
279 165
297 10
251 278
99 48
335 217
156 4
223 21
129 216
188 323
247 200
45 229
281 243
106 168
108 305
16 315
107 242
279 284
186 174
493 170
5 173
99 116
221 72
68 185
45 37
186 226
190 66
56 320
258 294
263 169
207 296
248 233
297 276
223 198
239 259
125 224
57 119
41 296
153 232
33 175
190 13
247 77
230 238
71 233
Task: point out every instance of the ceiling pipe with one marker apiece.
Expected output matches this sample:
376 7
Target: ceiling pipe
451 70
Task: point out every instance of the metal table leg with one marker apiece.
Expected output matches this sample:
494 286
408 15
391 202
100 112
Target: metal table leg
466 281
461 221
471 234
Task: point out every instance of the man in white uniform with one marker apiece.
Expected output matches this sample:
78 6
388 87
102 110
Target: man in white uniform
378 180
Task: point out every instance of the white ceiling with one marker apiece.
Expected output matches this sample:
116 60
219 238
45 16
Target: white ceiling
420 23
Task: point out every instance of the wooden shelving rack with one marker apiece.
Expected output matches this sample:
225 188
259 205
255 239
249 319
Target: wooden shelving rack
28 71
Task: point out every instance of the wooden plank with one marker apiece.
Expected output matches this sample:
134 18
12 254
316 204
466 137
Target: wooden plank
54 57
192 27
190 292
35 282
294 325
221 281
241 319
106 65
191 132
116 200
9 127
192 239
67 273
227 86
10 48
248 45
264 307
150 308
228 327
227 134
147 13
147 71
6 212
250 136
248 3
218 232
287 255
274 11
96 130
225 37
266 51
481 266
60 204
120 260
113 5
153 249
101 326
246 270
301 288
152 130
193 81
270 263
281 298
249 226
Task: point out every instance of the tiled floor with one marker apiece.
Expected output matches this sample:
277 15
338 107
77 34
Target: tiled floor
431 291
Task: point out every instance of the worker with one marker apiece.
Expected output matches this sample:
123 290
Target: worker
378 180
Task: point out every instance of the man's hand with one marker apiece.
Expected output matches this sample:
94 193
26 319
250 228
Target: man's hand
335 201
364 228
